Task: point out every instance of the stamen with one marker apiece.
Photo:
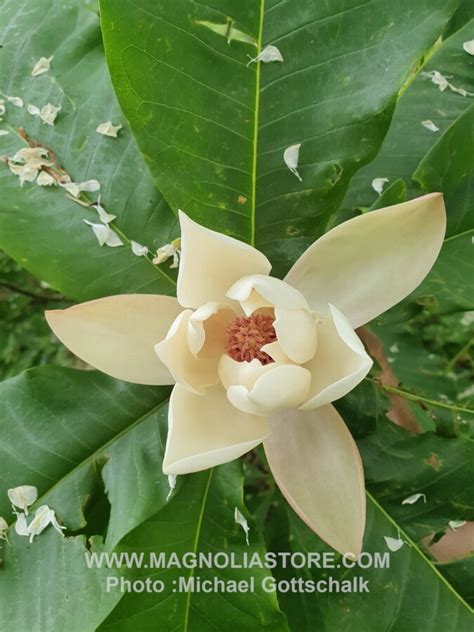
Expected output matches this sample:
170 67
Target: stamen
248 335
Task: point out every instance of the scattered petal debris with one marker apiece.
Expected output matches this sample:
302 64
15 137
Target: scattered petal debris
291 156
168 250
105 235
42 65
25 172
456 524
241 520
411 500
105 217
172 484
378 184
27 162
21 526
108 129
76 188
48 113
442 82
430 125
469 47
22 497
394 348
3 529
16 101
267 55
394 544
4 132
2 108
138 249
228 31
45 179
44 516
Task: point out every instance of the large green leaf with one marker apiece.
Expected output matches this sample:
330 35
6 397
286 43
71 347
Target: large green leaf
41 228
213 127
93 446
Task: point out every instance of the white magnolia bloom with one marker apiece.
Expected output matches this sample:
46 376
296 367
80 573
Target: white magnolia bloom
291 156
23 496
16 101
469 47
430 125
104 234
267 55
42 65
257 359
108 129
44 516
3 529
378 184
166 252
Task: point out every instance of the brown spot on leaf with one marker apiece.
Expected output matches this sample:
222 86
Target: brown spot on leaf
241 199
433 461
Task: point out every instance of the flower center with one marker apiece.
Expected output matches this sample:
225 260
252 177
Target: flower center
246 337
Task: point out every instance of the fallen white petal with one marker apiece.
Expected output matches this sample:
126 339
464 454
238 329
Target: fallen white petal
26 173
33 156
291 157
16 101
378 184
267 55
172 484
138 249
42 65
75 188
45 179
394 544
44 516
105 217
456 524
108 129
48 113
3 132
469 47
2 108
23 496
21 526
411 500
105 235
430 125
241 520
33 109
90 186
3 529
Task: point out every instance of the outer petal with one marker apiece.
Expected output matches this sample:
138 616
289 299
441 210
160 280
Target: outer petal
296 333
192 372
207 329
317 467
117 334
212 262
206 430
281 388
369 263
258 291
339 364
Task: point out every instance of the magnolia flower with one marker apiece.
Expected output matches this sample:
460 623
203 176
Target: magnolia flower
257 359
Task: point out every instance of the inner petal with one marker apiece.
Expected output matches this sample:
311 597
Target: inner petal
247 335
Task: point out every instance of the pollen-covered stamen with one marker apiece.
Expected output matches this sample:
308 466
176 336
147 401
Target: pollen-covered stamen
246 337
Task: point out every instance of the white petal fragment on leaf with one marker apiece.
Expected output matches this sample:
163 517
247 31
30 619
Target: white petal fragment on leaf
242 521
116 334
49 113
411 500
3 529
267 55
166 252
33 109
105 217
44 516
45 179
108 129
4 132
21 526
368 264
430 125
42 65
172 485
378 184
291 156
75 188
138 249
206 430
16 101
469 47
456 524
23 496
104 234
393 544
317 466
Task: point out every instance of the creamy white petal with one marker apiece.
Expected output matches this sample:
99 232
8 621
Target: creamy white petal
188 370
370 263
206 430
296 333
339 364
232 373
117 334
258 291
212 262
317 467
282 387
274 350
207 329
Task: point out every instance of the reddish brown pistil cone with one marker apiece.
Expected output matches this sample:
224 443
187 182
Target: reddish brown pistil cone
248 335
